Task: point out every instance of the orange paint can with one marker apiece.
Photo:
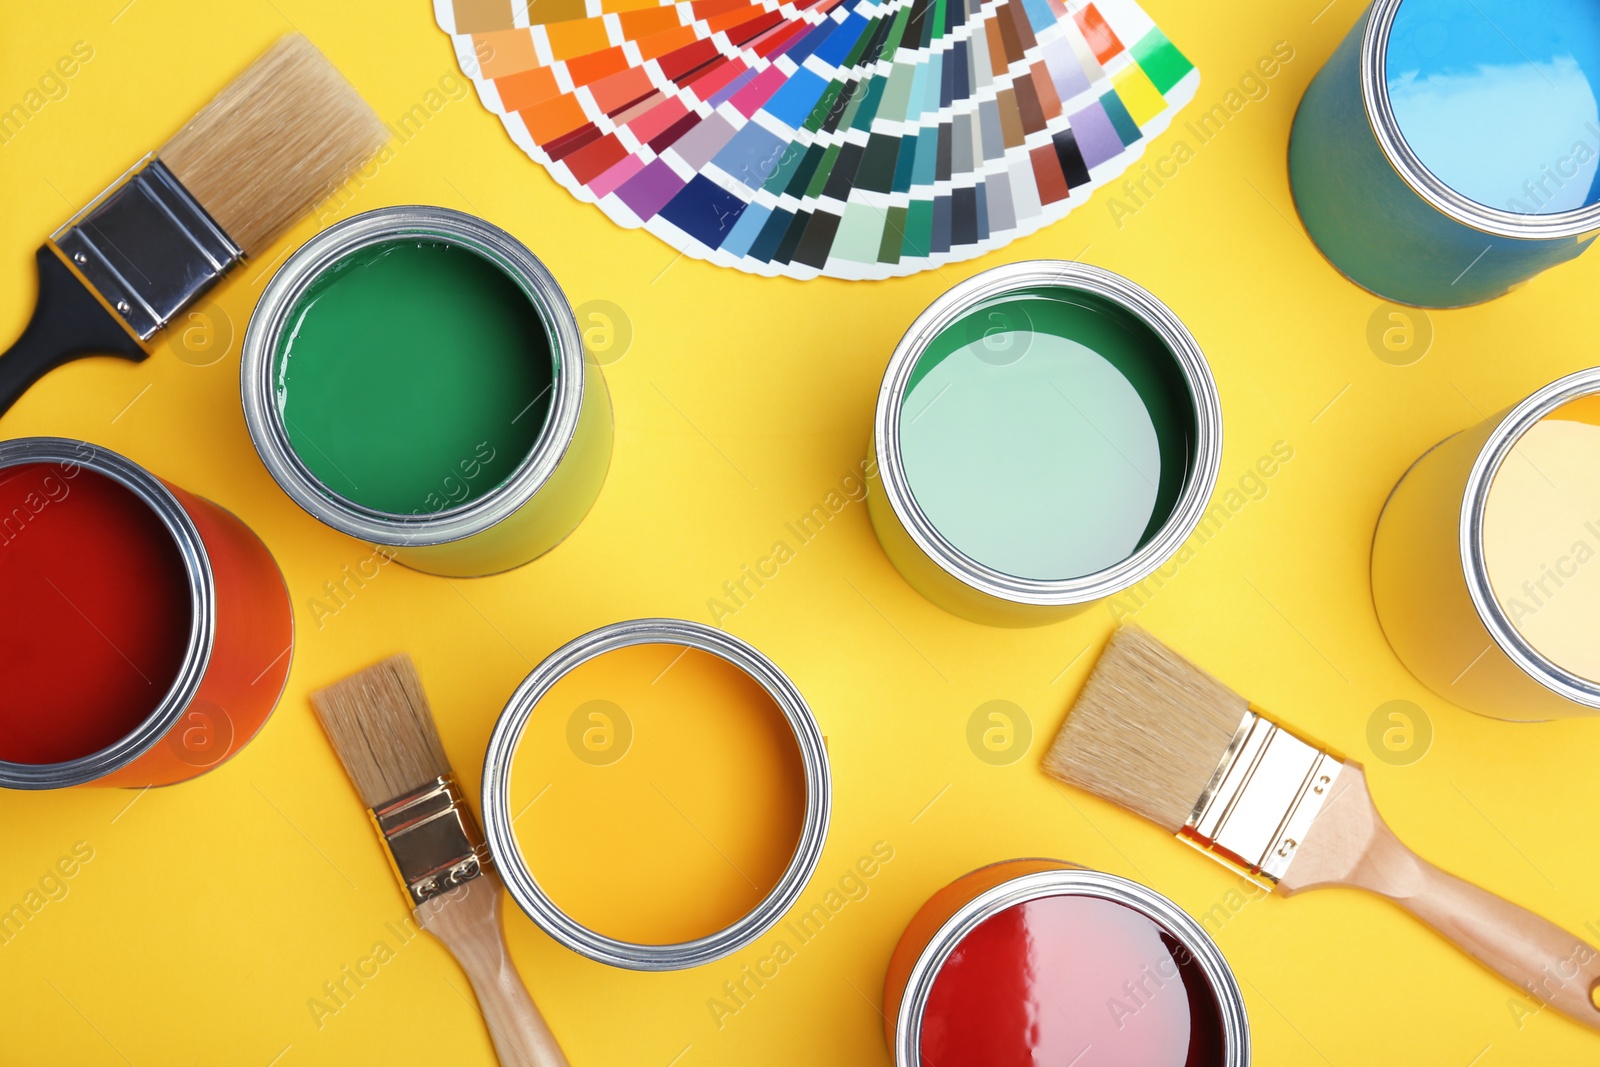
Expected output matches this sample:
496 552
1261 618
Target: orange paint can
146 634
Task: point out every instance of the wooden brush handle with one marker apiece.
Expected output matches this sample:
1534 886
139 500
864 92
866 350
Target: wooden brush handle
1351 845
1521 947
469 926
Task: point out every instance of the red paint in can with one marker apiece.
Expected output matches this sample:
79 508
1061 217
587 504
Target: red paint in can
1036 962
146 632
1063 979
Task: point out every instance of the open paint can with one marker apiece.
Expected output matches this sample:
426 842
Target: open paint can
147 632
1041 961
1047 434
656 794
1450 149
1486 562
414 377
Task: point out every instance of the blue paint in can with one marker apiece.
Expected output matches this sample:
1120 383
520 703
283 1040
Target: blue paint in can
1450 149
1497 98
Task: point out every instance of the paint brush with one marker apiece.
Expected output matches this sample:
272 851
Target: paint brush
1162 738
383 732
276 140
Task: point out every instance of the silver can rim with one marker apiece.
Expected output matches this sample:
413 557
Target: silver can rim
1072 880
1186 354
1447 201
514 870
202 610
270 318
1474 558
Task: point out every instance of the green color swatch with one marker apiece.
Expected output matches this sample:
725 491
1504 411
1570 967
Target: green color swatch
414 377
1161 61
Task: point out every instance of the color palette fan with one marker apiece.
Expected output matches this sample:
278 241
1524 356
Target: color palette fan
846 138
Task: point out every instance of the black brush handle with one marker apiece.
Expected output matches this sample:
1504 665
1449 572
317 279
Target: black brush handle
68 323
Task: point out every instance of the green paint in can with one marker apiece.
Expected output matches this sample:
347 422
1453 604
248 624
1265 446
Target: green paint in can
414 376
1047 434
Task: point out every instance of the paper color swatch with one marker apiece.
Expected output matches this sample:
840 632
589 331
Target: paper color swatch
840 138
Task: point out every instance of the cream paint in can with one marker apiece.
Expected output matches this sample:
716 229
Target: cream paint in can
1431 575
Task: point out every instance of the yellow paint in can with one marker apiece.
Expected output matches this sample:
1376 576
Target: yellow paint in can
657 794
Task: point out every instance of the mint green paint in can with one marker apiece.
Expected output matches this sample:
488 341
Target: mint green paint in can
1048 434
414 377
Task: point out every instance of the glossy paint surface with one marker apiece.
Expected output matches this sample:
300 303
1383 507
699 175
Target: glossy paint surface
1541 536
1497 98
1046 436
415 376
658 794
96 614
1070 980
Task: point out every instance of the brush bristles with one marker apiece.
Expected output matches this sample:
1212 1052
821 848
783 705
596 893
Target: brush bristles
278 139
1148 731
382 730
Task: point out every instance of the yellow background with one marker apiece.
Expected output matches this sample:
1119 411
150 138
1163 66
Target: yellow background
213 911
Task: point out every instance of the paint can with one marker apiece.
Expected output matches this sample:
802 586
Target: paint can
515 865
414 377
1481 564
1447 151
1112 964
160 633
1047 434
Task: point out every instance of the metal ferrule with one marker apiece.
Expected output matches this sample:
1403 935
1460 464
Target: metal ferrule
147 248
1262 799
434 842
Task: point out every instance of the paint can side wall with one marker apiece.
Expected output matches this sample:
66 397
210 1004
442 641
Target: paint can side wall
1372 226
546 518
1419 588
250 655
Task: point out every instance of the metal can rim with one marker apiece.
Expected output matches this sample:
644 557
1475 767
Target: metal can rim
1186 354
202 610
268 321
1496 222
1071 880
1474 558
497 817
